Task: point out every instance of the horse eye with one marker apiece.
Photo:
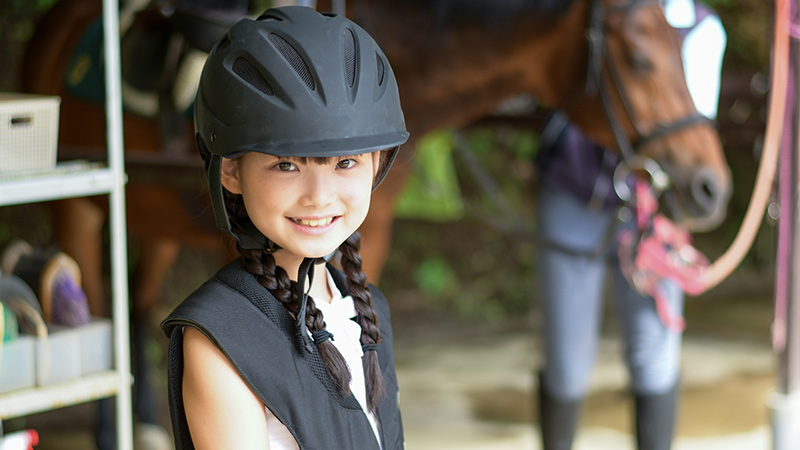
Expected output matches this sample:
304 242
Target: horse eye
640 61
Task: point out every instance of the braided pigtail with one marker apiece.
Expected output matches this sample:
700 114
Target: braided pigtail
260 263
275 279
334 362
365 316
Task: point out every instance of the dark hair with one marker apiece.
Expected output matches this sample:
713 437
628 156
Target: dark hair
276 280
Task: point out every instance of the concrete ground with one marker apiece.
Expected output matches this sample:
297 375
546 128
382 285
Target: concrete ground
479 394
472 386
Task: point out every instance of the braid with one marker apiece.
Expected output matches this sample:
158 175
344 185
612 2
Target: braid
334 362
275 279
365 316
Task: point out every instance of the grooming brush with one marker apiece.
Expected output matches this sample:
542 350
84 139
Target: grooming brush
56 278
20 298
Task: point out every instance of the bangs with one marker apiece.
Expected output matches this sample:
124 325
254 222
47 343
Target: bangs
319 160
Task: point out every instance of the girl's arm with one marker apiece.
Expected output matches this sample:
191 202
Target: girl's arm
221 410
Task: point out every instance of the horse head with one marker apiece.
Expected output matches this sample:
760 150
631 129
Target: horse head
635 71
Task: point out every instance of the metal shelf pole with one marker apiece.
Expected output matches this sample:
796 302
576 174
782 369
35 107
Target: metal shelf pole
119 276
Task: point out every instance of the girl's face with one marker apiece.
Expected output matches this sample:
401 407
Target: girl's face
307 208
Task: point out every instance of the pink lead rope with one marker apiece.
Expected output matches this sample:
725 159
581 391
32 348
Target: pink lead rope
657 250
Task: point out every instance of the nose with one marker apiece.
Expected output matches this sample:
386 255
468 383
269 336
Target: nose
705 190
319 189
708 200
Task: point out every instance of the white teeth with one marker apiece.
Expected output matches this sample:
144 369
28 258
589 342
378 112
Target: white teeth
315 222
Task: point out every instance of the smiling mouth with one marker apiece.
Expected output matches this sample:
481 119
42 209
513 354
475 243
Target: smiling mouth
314 223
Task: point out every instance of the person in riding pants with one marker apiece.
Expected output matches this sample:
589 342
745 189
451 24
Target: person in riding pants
577 214
298 119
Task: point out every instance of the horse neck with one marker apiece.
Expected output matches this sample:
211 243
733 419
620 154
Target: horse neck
49 49
456 76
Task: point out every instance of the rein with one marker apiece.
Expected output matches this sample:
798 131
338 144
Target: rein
658 249
732 257
654 250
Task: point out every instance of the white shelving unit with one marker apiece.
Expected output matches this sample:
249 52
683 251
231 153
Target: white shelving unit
79 182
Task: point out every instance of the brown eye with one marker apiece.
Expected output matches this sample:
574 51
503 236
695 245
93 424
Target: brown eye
346 163
640 61
285 166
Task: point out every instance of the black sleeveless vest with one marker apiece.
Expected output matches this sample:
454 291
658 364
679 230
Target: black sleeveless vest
261 339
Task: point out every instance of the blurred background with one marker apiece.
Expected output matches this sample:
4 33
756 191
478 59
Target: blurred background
459 279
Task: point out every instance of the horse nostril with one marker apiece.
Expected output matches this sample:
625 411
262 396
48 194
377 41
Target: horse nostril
705 189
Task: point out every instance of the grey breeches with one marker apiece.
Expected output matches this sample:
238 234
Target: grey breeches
571 292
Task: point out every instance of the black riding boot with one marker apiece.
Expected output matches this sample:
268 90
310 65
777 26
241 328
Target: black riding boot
558 420
655 420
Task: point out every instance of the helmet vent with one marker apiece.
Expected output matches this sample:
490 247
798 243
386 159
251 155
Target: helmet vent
250 74
294 59
268 18
224 43
349 45
381 69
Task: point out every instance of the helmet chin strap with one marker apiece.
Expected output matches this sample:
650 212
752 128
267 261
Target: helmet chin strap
306 271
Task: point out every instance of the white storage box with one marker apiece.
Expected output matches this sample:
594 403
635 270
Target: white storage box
58 357
96 346
17 364
28 132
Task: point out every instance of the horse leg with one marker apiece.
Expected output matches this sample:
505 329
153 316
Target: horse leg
78 226
376 231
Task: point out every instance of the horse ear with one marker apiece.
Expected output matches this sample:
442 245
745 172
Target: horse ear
230 175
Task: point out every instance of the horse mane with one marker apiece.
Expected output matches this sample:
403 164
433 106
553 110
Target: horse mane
490 13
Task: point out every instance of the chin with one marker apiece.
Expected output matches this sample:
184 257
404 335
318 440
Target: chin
321 253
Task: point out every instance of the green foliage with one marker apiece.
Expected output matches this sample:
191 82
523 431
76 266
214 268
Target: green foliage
749 26
432 191
479 265
436 278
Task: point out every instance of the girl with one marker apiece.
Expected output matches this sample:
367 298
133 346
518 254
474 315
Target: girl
298 118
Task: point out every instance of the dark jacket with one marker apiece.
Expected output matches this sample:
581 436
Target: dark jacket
260 338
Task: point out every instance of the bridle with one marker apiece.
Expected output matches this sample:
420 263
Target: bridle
597 60
651 248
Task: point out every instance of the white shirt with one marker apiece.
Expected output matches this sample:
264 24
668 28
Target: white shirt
346 332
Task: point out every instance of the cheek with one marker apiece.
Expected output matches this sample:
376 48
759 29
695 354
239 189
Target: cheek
262 200
357 192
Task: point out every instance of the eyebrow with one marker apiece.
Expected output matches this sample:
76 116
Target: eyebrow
321 160
304 159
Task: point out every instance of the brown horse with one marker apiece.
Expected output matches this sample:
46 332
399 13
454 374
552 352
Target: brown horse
454 60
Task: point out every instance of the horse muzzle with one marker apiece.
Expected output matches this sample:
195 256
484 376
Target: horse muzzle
698 199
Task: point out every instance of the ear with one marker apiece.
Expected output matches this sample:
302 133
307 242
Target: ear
230 175
376 164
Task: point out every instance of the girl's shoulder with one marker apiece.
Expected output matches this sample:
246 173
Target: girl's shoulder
232 296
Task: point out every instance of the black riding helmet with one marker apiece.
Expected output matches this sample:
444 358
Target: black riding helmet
294 82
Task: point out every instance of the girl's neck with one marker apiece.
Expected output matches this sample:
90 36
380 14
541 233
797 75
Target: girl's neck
320 290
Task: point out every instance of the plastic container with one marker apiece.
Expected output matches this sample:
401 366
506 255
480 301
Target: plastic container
58 357
97 350
17 366
28 132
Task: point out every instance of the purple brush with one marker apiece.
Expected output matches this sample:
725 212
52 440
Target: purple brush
70 306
